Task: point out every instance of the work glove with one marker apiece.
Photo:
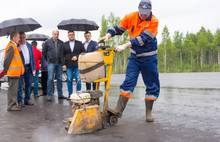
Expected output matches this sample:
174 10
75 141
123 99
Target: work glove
120 48
103 39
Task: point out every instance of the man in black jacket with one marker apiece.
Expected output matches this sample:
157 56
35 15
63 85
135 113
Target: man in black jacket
51 52
70 52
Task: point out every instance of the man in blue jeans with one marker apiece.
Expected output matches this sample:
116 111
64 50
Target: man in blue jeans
37 58
70 52
51 52
27 56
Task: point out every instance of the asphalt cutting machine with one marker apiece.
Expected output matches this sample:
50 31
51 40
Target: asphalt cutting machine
87 114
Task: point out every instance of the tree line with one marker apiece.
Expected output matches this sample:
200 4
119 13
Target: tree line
193 52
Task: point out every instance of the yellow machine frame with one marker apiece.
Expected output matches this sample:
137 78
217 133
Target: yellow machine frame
92 118
108 60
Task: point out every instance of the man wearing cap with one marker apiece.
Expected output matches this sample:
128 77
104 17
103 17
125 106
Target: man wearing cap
142 27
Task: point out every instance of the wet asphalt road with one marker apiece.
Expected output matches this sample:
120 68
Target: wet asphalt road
181 115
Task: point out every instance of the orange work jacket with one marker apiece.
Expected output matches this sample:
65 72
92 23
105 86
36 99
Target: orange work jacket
142 33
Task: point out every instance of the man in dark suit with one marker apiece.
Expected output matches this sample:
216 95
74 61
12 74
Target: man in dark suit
27 56
70 52
89 46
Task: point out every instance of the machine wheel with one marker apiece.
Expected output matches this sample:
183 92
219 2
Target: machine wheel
67 125
113 120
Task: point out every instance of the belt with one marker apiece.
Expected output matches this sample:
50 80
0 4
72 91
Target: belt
27 65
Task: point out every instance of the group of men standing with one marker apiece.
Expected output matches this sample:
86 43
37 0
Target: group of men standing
58 56
61 56
19 66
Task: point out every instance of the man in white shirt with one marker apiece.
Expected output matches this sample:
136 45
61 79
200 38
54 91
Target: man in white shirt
70 52
27 56
90 46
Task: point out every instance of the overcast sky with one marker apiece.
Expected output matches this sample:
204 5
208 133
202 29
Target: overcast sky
187 15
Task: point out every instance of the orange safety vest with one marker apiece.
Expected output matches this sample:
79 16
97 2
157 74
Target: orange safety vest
16 67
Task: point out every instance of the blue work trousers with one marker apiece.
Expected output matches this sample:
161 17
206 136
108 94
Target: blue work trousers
148 68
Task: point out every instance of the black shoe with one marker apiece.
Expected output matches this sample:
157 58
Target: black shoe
62 97
21 104
49 98
68 98
28 103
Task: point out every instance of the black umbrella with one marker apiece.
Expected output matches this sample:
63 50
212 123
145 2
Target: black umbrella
78 25
18 24
38 37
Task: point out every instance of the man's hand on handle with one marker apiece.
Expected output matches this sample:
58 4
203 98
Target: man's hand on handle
105 38
120 48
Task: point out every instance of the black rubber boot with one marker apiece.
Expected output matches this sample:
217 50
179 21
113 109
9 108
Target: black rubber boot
122 101
149 106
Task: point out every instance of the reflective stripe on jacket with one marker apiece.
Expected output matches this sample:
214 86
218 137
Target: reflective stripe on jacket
16 67
142 33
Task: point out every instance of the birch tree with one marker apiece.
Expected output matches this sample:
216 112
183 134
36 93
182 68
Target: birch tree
178 43
165 39
216 44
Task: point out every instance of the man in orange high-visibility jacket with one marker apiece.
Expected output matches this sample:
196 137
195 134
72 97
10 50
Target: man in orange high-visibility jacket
13 68
142 27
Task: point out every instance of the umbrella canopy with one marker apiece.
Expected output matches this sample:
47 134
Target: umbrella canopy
78 25
18 24
38 37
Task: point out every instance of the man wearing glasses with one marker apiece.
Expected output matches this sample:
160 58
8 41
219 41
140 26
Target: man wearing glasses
70 52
